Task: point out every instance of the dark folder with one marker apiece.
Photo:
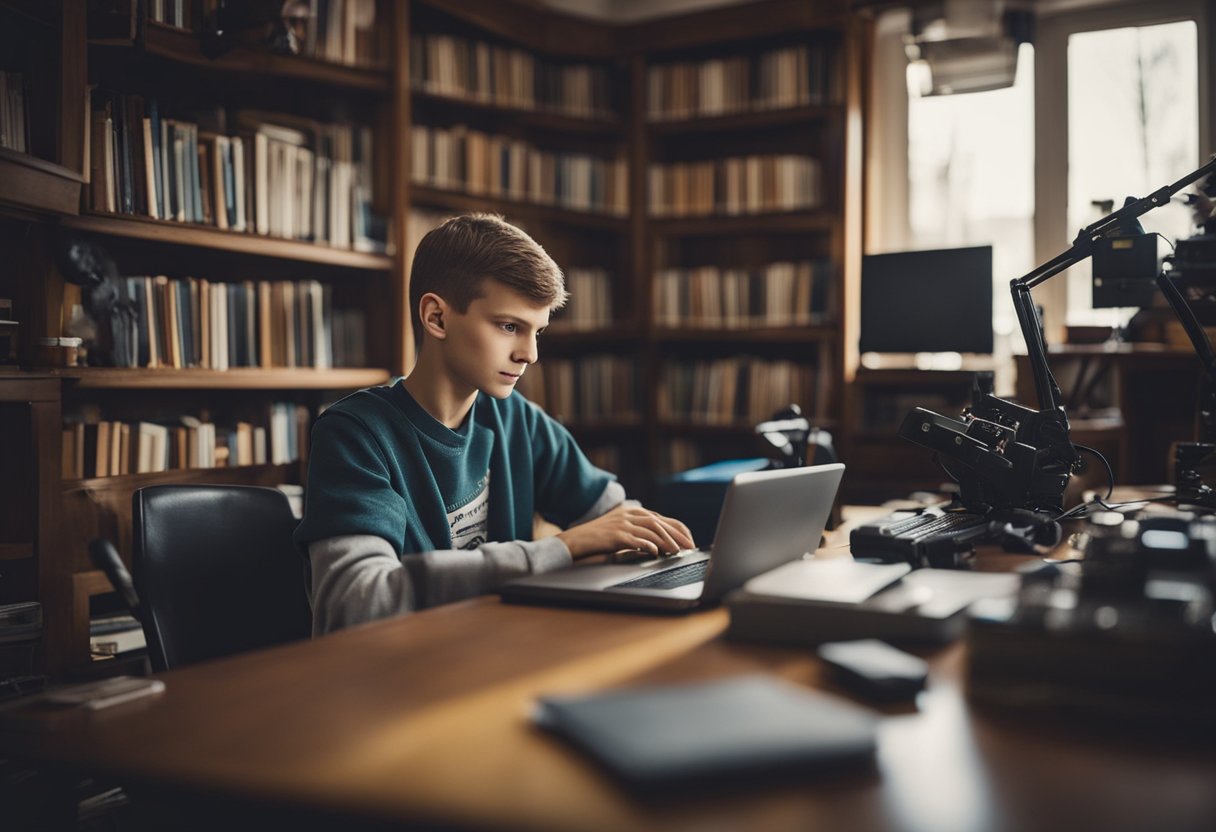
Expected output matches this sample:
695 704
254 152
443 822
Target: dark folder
745 725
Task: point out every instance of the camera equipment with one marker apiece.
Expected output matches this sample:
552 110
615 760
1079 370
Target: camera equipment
1192 269
1006 456
790 442
1127 631
1124 268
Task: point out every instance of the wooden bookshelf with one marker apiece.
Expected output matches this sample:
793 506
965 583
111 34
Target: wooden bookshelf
237 378
823 126
53 517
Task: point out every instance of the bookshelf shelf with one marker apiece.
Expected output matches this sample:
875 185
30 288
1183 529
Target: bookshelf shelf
760 119
786 222
16 551
183 46
757 335
513 209
240 378
236 242
30 183
623 334
538 119
605 426
127 482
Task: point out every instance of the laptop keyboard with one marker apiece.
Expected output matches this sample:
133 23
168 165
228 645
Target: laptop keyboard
669 578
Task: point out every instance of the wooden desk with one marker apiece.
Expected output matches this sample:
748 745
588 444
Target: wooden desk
423 720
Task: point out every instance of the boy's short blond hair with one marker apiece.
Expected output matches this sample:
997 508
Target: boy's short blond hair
456 258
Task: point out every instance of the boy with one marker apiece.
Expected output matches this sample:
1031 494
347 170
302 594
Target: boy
423 493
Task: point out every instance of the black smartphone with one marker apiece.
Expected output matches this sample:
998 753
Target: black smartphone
875 669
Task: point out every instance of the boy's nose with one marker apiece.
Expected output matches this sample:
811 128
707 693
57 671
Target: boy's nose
528 352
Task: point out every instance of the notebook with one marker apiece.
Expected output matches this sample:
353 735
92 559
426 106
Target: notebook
768 518
719 730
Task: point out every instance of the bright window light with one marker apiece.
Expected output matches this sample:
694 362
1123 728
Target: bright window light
1133 126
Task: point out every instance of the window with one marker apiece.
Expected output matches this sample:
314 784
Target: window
971 179
1119 105
1133 115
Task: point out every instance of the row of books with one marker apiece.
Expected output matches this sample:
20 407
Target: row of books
794 76
275 175
739 390
341 32
594 388
178 13
590 304
479 163
738 185
774 295
14 126
457 67
338 31
105 448
191 322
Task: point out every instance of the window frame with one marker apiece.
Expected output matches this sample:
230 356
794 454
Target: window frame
1052 234
887 189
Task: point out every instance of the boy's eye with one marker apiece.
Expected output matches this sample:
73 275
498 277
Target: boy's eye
507 327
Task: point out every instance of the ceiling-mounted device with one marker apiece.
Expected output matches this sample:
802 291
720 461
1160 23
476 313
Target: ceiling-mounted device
958 46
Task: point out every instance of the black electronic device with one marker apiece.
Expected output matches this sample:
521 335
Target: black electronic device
930 537
1125 269
927 301
1188 282
875 669
1124 632
1007 456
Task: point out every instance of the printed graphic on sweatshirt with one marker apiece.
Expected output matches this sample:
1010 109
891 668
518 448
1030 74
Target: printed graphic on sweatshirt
468 518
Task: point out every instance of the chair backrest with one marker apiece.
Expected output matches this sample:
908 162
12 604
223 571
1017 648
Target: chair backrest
216 571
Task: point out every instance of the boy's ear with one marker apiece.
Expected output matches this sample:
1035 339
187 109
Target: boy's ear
433 310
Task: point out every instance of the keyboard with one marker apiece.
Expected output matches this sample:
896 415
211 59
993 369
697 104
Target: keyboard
669 578
942 539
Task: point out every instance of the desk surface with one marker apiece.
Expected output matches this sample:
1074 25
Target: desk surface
424 719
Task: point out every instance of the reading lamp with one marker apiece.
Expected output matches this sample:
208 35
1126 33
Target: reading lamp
1006 456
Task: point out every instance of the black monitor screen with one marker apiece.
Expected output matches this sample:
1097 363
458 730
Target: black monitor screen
927 301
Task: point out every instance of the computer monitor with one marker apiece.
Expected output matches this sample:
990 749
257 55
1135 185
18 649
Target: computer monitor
927 301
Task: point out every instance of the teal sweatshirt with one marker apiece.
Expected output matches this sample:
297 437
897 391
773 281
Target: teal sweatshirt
385 475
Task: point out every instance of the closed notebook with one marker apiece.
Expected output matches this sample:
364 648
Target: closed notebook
753 724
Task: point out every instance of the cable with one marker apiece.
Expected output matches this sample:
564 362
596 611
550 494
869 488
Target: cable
1167 239
1110 475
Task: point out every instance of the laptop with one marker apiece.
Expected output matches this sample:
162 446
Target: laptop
768 518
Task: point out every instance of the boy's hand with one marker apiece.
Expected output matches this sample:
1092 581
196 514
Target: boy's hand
628 528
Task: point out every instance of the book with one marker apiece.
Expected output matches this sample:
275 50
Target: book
723 730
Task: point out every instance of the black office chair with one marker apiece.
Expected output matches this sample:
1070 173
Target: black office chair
215 571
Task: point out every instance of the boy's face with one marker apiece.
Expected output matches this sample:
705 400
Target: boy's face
488 347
